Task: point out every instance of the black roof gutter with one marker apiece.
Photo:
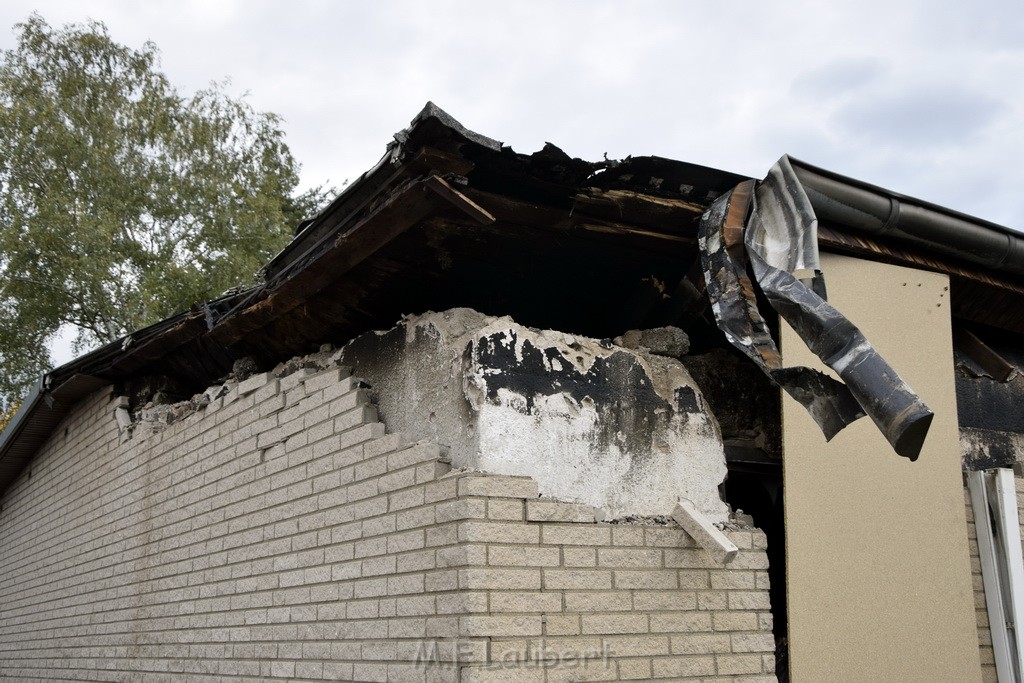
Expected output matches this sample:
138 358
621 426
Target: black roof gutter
859 206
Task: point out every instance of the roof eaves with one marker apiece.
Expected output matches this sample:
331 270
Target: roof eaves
39 414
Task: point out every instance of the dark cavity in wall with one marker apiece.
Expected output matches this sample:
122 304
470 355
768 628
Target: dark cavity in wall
749 412
756 489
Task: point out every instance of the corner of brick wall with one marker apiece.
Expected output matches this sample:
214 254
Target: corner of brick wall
280 532
558 595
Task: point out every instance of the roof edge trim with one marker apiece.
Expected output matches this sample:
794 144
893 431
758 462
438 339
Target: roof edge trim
867 208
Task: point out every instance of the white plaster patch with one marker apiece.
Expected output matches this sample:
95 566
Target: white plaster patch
562 450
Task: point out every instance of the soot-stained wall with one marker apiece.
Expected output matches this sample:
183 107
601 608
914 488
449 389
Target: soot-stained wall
615 428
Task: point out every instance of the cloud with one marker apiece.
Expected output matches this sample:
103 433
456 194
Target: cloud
986 25
873 89
841 76
922 116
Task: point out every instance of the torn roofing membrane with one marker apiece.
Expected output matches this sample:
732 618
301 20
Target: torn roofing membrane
771 225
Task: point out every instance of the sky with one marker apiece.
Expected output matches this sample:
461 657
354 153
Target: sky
922 98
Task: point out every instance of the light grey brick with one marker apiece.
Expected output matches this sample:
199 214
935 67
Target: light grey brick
556 511
498 486
327 378
255 382
386 444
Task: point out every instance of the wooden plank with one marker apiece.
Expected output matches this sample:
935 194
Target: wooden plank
459 200
520 212
661 214
626 230
978 351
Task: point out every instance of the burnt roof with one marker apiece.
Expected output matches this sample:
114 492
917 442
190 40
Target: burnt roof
449 217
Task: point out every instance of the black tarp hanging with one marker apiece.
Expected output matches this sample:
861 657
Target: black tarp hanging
771 227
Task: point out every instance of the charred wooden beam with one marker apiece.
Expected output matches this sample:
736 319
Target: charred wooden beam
520 212
517 212
432 160
460 201
659 215
981 353
618 229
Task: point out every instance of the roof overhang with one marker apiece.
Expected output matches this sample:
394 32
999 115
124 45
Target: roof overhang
449 217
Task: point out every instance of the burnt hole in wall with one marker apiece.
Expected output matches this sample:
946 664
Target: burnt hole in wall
756 489
743 400
146 390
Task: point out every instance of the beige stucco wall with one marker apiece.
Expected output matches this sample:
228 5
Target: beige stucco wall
879 578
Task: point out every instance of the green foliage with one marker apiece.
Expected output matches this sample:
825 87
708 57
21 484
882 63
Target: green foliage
121 201
7 415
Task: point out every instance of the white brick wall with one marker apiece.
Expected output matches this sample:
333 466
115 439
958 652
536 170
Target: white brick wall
280 533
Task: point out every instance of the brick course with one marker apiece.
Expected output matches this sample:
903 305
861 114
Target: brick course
280 532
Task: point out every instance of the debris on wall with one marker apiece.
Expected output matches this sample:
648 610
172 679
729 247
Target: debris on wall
661 341
156 410
620 429
155 415
626 431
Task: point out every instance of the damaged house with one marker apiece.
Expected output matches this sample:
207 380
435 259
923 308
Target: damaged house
504 417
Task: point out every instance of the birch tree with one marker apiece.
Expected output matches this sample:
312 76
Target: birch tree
123 201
